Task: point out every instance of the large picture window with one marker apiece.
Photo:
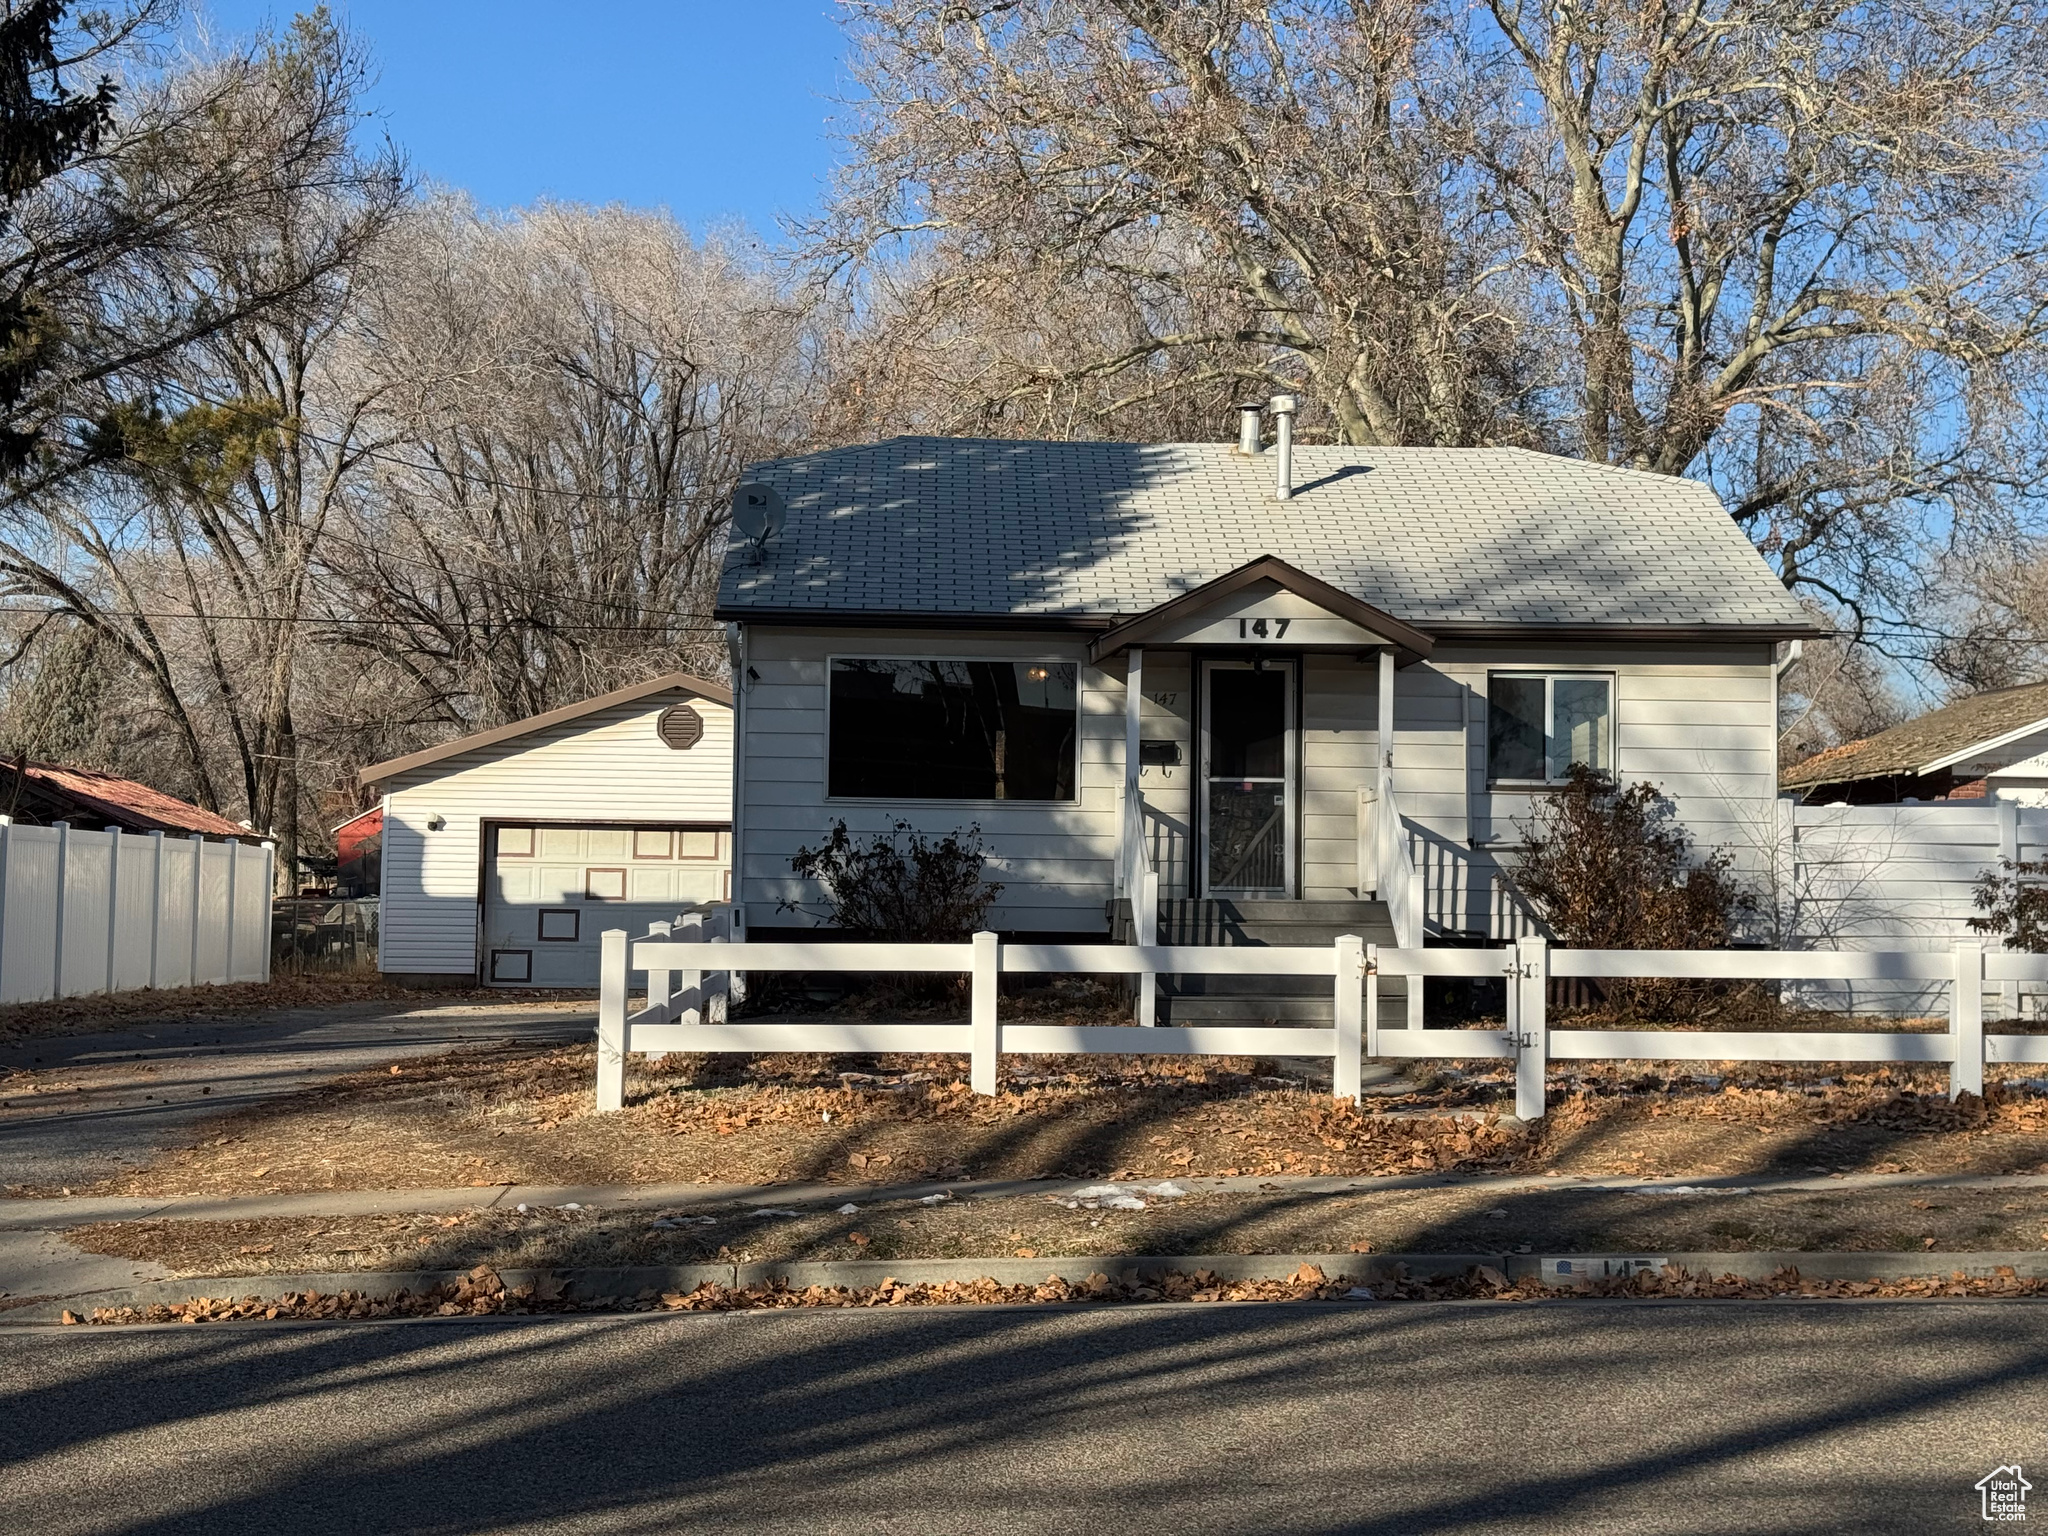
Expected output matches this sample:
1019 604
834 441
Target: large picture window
953 730
1540 725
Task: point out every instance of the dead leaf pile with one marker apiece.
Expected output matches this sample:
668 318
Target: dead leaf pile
482 1293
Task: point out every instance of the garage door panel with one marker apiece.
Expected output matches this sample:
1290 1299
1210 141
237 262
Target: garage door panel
658 872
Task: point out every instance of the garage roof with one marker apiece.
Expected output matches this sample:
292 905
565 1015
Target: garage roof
672 682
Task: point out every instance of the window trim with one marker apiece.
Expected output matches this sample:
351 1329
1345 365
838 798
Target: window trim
524 955
1550 676
1078 663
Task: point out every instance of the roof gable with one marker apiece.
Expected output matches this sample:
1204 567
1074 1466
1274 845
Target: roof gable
1284 603
672 682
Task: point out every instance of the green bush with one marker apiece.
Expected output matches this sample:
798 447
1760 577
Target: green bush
2014 901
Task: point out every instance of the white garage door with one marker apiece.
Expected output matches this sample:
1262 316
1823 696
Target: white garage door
550 891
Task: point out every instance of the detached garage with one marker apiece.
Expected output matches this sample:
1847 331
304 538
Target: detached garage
507 853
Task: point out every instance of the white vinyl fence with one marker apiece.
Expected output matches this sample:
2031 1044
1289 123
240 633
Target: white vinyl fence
684 1009
84 912
1896 877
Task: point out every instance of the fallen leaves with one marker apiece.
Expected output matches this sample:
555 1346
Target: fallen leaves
482 1292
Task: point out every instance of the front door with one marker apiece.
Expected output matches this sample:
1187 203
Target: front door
1248 775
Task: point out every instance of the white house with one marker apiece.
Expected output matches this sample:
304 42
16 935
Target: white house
1125 660
506 853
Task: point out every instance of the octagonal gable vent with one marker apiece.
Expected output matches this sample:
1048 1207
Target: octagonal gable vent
680 727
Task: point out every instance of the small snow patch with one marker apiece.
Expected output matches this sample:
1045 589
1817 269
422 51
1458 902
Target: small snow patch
849 1209
1688 1189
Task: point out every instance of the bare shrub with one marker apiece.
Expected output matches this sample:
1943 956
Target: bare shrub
901 885
1609 866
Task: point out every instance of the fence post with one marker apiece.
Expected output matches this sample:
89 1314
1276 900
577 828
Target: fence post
611 1020
1371 962
735 981
987 956
1532 1026
1145 922
156 899
113 903
661 992
1347 1076
1966 1020
2009 850
6 847
227 966
198 885
63 831
270 895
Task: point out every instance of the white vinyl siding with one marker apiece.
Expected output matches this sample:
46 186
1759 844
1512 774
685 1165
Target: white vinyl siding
1697 721
609 768
1054 860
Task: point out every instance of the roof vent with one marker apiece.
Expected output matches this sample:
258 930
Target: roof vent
1248 428
1283 471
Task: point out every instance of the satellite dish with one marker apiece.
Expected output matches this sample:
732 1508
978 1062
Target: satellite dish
758 512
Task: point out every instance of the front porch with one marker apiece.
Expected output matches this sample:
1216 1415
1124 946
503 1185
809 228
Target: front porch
1257 802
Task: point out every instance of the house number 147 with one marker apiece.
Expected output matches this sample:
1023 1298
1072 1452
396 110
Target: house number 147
1262 629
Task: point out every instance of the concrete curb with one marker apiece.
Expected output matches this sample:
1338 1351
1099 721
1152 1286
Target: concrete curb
54 1215
1353 1268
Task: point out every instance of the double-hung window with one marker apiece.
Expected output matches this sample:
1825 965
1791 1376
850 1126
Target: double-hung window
1540 725
919 728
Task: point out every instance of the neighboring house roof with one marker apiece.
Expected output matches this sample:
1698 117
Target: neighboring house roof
1449 540
84 796
1936 740
671 682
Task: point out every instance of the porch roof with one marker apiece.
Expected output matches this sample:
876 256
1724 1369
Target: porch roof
967 532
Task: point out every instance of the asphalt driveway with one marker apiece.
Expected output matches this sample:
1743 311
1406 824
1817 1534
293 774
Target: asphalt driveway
124 1096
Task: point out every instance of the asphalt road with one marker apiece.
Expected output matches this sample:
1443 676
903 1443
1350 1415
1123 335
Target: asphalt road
1747 1418
152 1083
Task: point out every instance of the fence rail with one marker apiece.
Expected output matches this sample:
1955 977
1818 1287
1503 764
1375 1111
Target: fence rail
689 1017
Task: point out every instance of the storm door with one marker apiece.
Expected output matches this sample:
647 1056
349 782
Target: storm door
1248 778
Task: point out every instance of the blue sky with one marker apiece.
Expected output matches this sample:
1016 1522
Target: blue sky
714 110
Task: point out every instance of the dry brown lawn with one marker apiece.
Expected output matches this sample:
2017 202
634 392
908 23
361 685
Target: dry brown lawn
523 1115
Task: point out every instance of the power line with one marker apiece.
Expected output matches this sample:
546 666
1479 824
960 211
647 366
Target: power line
273 618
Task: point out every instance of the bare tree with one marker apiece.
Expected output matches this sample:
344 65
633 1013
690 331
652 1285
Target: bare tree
216 456
571 394
1109 205
1794 250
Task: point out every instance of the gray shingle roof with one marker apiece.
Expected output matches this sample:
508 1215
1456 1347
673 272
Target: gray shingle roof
924 525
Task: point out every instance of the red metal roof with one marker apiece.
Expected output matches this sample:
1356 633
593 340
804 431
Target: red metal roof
102 797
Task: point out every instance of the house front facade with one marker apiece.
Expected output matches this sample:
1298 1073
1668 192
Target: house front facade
1122 661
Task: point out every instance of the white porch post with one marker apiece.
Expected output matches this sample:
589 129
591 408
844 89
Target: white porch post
1386 733
1134 699
1140 884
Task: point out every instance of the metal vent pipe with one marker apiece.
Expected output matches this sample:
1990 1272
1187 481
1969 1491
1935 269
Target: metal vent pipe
1248 428
1283 470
